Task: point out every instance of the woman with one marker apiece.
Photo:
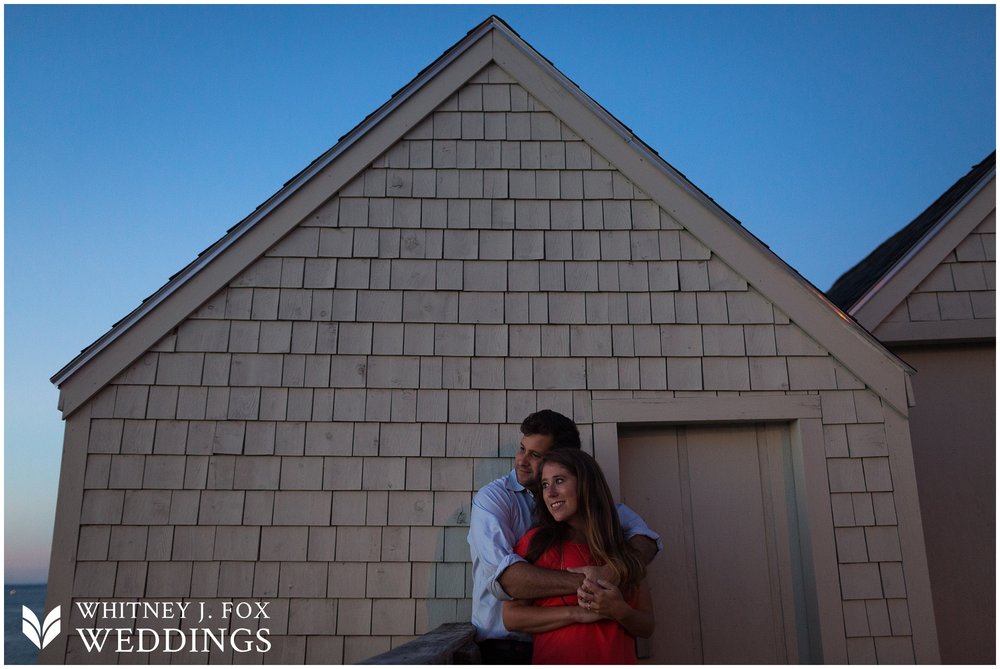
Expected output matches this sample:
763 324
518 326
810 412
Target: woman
576 525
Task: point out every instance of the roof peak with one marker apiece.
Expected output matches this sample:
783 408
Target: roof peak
305 192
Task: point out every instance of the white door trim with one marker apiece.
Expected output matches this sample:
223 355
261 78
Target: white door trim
803 415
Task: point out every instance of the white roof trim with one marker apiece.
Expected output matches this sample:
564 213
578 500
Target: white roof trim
923 241
654 159
630 137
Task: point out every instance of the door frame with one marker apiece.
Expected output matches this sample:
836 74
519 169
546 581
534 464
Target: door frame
803 416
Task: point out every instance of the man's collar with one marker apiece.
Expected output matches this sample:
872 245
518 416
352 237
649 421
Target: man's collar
513 484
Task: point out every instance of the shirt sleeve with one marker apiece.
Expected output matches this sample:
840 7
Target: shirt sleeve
492 539
633 525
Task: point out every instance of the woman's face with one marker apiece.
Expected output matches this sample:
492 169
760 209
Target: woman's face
559 491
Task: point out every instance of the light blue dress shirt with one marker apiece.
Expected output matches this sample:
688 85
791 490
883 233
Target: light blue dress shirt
502 514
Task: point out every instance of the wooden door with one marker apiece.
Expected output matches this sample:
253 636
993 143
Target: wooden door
728 586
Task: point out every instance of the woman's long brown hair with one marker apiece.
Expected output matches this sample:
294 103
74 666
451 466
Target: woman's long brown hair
603 529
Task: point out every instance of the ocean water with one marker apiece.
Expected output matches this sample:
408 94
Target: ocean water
16 647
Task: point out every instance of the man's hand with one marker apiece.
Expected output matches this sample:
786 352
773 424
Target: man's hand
593 574
596 572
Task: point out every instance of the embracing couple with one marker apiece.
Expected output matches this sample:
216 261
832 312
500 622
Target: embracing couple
558 568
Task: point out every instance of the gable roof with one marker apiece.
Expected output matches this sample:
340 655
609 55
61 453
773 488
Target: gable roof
493 41
856 284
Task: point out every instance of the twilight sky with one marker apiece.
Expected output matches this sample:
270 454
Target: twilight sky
135 136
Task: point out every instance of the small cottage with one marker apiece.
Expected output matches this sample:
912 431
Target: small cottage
929 294
300 417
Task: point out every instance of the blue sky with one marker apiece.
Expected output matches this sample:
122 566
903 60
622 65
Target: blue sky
135 136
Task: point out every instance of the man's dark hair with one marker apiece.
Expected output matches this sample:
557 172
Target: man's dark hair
552 424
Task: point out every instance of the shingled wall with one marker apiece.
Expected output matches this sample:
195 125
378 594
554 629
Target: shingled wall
962 287
314 433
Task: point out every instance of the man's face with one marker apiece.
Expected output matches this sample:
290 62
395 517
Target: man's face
528 461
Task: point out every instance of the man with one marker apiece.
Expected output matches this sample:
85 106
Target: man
501 514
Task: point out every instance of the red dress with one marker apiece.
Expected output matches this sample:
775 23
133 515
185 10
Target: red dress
603 642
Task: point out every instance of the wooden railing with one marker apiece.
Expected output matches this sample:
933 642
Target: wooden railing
451 643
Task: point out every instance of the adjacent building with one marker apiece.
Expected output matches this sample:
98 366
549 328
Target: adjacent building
929 294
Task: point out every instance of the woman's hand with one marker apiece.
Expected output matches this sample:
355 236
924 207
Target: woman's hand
606 600
602 598
581 615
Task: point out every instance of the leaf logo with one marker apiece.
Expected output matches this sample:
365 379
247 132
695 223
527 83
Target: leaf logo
40 635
